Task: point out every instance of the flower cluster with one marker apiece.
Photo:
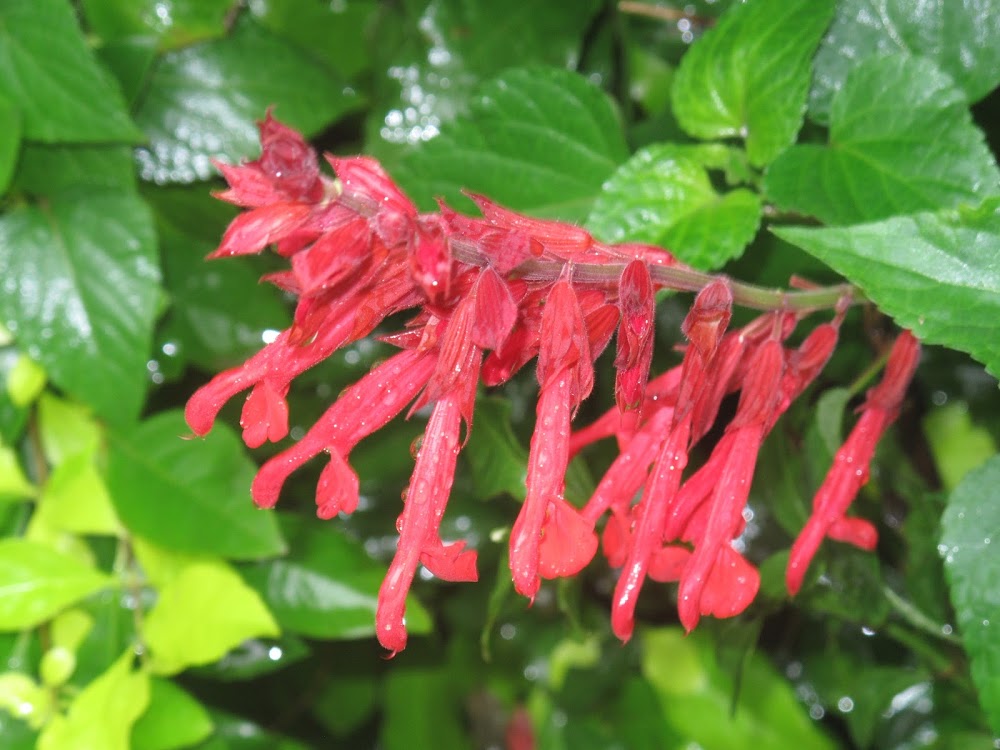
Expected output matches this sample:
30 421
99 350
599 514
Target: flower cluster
489 295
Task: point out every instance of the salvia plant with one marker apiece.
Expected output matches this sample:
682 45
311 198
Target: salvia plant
674 327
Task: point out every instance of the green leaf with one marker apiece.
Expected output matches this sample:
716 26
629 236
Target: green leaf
496 457
345 703
421 710
130 59
36 582
430 74
662 196
256 657
218 313
904 262
178 23
75 499
957 442
188 495
696 697
174 719
337 33
49 73
14 485
901 140
66 429
749 76
327 586
25 381
48 170
201 614
102 714
202 102
10 141
540 140
970 524
235 733
959 36
81 292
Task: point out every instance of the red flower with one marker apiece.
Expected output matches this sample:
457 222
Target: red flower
849 472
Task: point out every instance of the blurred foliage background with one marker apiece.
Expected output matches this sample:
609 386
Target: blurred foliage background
144 603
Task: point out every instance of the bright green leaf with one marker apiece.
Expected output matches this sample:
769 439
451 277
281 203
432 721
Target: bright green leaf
66 429
81 291
10 141
696 697
25 381
189 495
749 76
496 457
202 102
327 586
901 140
200 615
535 139
906 262
177 23
957 442
174 719
75 499
970 525
36 582
102 714
49 73
14 485
663 197
338 33
69 628
959 35
24 698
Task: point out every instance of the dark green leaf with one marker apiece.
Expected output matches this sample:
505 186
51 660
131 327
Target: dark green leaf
971 524
664 197
327 586
130 59
80 293
847 582
48 72
696 697
902 263
218 312
347 701
421 710
431 74
901 140
959 35
176 24
228 612
173 719
337 33
202 102
49 170
10 141
497 460
188 495
235 733
749 76
36 582
255 657
536 139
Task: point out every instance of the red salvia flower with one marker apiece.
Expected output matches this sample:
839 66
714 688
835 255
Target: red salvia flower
850 467
490 294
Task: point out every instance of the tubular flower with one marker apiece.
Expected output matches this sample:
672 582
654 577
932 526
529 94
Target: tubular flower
487 295
849 472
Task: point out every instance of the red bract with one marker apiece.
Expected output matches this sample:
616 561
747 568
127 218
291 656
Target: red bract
489 294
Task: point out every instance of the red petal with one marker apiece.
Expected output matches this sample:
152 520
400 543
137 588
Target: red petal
254 230
731 586
667 563
569 541
709 316
496 310
856 531
450 562
264 417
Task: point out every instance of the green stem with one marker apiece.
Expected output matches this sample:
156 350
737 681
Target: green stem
917 619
